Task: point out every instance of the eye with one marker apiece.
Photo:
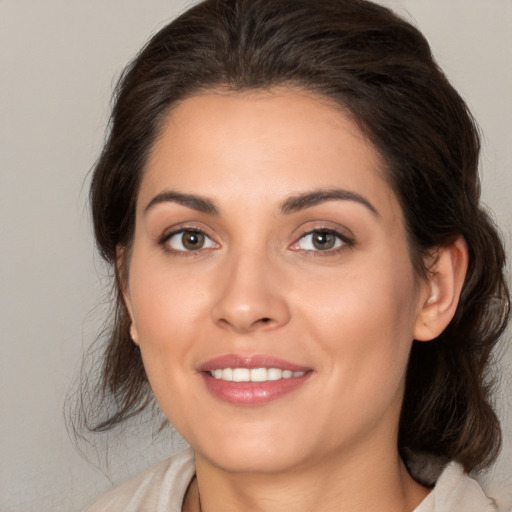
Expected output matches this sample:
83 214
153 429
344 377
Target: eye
189 240
320 240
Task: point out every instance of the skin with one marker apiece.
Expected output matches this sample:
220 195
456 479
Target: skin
259 286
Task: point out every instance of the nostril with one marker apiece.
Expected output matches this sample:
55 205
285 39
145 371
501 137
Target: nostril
265 320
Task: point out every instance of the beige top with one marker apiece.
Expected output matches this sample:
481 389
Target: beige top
162 489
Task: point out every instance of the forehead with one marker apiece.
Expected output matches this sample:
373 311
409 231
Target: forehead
262 144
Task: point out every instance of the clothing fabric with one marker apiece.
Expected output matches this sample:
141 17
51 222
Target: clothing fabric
163 487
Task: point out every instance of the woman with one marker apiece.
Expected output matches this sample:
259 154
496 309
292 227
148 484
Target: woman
306 281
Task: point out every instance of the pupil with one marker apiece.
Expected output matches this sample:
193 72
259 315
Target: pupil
323 240
192 240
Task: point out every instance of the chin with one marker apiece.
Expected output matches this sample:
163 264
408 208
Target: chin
261 459
261 452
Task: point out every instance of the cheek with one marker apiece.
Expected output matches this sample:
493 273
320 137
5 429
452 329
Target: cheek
165 307
164 303
364 322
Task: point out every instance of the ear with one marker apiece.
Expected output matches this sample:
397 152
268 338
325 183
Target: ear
443 287
122 259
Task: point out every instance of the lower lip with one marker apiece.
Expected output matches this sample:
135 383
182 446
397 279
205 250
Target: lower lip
252 393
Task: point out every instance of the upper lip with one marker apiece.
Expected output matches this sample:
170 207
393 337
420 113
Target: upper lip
249 361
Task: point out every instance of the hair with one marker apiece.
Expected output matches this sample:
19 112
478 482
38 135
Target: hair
379 69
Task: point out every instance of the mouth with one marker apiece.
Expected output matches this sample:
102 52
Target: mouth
254 374
252 380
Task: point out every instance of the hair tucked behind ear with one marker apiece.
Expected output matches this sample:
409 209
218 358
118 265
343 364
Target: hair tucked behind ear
447 409
378 68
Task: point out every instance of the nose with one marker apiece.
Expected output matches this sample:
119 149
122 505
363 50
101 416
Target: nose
250 297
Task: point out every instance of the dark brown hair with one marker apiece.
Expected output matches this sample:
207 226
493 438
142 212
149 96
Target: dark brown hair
379 68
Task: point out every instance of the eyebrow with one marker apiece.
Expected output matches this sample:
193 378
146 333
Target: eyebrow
302 201
293 204
199 203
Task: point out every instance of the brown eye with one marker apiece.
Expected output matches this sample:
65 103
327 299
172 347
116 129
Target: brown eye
321 240
192 240
189 240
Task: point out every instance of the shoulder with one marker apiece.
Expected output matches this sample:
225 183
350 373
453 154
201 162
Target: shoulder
160 488
455 491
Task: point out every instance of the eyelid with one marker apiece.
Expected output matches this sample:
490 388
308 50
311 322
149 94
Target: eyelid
346 241
180 229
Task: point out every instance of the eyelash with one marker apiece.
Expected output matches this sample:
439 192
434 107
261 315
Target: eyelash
164 241
343 242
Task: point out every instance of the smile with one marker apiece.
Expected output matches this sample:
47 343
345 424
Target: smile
254 374
252 380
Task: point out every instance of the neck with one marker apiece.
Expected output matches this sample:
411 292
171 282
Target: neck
377 484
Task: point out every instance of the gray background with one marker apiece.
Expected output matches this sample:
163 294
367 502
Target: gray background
58 63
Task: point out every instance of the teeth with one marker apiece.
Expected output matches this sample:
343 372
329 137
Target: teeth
274 373
259 374
254 374
241 375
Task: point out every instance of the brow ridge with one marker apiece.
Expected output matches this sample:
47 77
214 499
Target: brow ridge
292 204
309 199
195 202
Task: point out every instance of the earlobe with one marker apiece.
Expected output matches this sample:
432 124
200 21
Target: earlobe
133 334
444 283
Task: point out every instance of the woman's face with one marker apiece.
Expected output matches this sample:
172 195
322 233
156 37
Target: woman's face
270 285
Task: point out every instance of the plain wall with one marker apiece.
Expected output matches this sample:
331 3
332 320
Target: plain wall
58 62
